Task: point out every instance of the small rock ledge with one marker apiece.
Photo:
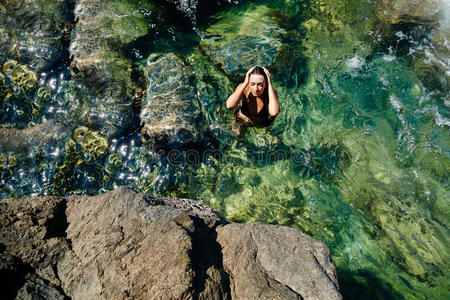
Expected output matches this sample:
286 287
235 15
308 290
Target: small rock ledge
126 245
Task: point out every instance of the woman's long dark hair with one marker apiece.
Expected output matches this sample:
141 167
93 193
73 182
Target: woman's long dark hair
260 71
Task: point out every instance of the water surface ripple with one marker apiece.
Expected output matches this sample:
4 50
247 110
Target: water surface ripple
358 156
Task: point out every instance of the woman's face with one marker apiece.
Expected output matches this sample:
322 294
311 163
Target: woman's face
257 84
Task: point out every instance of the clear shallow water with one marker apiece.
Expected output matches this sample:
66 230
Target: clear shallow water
358 157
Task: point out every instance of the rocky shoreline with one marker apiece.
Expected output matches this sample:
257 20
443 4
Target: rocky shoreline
126 245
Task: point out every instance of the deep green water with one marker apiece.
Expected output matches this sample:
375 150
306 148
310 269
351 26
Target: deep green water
358 156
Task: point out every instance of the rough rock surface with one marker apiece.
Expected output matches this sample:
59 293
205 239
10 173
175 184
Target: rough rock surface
170 114
123 245
271 255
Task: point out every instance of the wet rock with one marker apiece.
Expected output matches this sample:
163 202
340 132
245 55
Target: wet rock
431 63
34 31
98 247
170 114
20 141
100 35
410 11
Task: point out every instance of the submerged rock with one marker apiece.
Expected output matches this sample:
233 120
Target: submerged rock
98 247
170 114
109 41
84 154
34 31
425 27
256 39
20 141
410 11
101 32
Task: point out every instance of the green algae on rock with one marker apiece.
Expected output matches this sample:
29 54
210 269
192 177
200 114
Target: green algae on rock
395 202
85 150
336 29
18 83
385 179
21 78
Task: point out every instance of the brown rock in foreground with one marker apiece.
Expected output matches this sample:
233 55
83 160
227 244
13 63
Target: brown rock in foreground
292 263
125 245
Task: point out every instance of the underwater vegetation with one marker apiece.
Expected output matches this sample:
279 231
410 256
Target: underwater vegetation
98 94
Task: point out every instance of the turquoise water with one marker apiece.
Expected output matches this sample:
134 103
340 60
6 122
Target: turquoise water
358 156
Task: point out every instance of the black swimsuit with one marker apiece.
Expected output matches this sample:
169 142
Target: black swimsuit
262 116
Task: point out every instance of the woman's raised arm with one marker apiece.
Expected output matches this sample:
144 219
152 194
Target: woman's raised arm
233 99
274 107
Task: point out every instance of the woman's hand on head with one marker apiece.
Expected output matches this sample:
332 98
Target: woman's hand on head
247 76
267 73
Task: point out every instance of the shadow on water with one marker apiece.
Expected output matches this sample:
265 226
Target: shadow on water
174 30
320 161
363 285
170 31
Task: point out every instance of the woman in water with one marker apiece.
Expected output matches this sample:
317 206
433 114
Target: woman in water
257 98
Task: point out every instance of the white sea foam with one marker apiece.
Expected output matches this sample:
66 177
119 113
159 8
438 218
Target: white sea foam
439 119
401 35
388 57
395 102
355 62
